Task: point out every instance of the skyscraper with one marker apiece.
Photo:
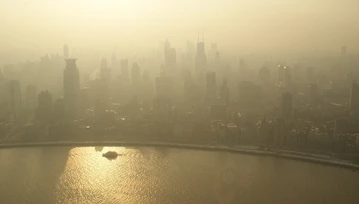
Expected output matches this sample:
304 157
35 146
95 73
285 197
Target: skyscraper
66 51
71 82
124 69
44 110
14 97
201 59
164 90
264 75
210 86
170 56
135 74
224 93
280 73
287 75
313 94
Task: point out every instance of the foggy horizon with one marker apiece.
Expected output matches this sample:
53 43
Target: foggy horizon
126 27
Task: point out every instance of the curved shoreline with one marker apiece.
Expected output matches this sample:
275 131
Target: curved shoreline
314 158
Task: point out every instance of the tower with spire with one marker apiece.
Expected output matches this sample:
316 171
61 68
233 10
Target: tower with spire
201 59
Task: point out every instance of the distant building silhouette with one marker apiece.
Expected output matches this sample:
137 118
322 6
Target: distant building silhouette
201 59
264 75
280 73
287 75
224 93
210 86
170 56
14 97
135 74
164 90
71 82
124 69
44 110
66 52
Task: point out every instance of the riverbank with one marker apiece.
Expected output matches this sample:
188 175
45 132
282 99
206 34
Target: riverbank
303 156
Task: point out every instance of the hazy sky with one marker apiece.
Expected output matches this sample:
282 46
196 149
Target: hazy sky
45 25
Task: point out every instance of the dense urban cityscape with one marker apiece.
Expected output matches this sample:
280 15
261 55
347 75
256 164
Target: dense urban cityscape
192 97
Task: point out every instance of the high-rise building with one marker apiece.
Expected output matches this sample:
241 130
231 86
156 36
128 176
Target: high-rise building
354 98
170 58
264 75
44 110
105 71
31 99
124 69
287 73
224 93
210 86
71 82
201 59
313 94
164 91
280 73
286 104
14 97
166 46
66 51
135 74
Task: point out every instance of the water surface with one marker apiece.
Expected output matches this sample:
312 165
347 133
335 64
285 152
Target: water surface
167 175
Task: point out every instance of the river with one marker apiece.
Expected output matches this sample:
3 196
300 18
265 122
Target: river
159 175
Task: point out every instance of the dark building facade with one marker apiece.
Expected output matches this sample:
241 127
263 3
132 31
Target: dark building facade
71 83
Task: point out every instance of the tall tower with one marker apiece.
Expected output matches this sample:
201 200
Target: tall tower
264 75
201 59
66 51
124 69
224 92
44 111
14 99
135 73
280 73
170 57
210 86
71 84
